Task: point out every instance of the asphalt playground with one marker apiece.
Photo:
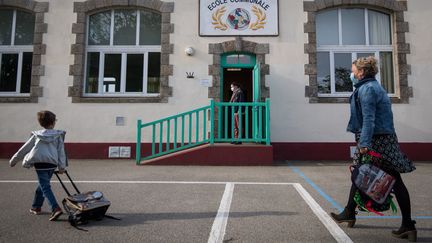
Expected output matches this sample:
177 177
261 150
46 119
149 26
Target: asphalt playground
288 202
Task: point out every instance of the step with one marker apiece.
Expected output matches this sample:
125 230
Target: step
221 154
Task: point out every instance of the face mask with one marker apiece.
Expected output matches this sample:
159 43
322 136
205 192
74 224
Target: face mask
353 79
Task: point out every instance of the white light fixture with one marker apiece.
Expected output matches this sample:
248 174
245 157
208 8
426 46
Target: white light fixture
189 51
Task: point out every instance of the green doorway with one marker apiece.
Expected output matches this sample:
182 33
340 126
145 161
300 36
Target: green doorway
243 69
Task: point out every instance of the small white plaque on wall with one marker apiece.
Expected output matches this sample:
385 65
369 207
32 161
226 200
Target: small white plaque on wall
205 82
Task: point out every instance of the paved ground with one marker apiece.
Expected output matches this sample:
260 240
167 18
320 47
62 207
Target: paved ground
285 203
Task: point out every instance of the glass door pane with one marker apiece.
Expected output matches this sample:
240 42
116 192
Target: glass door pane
6 17
125 27
8 72
327 28
379 28
92 81
342 65
153 77
359 55
24 29
323 72
386 69
353 27
150 28
26 72
134 73
99 28
112 73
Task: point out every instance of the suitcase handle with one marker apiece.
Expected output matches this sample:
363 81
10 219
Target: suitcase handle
63 185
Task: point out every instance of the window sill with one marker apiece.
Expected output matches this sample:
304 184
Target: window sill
18 99
119 99
336 100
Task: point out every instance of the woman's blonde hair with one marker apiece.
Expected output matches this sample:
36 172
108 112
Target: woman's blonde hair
368 65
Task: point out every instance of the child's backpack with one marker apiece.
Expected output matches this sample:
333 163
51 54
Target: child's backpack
82 207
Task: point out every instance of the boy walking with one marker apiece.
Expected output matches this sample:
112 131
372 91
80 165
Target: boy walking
45 152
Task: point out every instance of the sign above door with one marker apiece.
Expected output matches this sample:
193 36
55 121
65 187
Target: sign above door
238 18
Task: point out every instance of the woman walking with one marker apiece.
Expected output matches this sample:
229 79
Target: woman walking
371 121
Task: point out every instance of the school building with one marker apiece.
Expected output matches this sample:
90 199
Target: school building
150 79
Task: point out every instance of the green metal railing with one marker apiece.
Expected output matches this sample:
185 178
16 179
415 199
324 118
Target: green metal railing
253 122
196 127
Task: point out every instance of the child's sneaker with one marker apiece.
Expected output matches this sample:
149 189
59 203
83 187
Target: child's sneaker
55 214
35 211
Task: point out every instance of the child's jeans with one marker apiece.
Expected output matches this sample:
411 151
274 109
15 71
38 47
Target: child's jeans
44 190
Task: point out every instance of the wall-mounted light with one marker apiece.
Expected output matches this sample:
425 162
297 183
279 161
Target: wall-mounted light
189 51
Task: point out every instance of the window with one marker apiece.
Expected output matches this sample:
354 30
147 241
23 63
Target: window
16 52
344 35
123 55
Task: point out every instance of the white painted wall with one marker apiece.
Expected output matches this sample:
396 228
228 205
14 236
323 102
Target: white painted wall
293 119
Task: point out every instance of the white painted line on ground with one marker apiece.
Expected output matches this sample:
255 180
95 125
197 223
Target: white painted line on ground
328 222
219 225
157 182
217 232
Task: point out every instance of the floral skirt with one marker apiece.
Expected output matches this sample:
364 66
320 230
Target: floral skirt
392 158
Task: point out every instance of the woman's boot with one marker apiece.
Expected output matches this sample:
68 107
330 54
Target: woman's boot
407 230
345 216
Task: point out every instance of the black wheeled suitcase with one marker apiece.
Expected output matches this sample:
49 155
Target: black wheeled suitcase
82 207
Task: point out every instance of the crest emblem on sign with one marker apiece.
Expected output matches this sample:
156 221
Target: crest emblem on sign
239 19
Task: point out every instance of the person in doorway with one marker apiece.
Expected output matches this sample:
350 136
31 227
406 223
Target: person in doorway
45 152
236 97
371 121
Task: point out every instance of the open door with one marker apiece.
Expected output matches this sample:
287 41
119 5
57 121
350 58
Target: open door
256 98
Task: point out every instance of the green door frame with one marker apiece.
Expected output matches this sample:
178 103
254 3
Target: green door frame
224 64
256 79
256 98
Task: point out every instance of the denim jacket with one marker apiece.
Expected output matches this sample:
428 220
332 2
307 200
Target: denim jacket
370 111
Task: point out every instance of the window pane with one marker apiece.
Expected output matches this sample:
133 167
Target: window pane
353 27
134 73
124 27
386 69
92 70
112 73
244 59
150 28
327 28
5 26
153 78
26 72
379 28
365 55
342 63
99 28
323 75
8 73
232 59
25 23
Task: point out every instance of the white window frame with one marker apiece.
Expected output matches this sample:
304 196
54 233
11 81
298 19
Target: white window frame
15 49
354 50
124 50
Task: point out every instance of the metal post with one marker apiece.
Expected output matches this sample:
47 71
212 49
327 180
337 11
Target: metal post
212 110
267 121
138 144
